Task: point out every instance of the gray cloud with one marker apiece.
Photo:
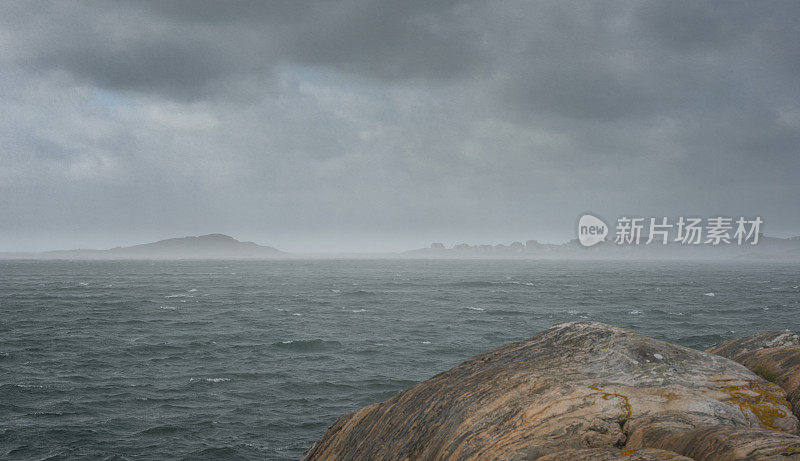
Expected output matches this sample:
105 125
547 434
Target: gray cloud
363 124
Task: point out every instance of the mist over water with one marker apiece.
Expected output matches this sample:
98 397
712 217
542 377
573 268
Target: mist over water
255 359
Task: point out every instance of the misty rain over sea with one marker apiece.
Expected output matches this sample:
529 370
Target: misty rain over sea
255 359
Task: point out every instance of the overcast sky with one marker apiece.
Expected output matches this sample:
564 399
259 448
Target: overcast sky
359 125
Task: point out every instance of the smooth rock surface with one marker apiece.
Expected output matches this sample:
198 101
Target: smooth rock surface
575 386
771 354
600 454
721 442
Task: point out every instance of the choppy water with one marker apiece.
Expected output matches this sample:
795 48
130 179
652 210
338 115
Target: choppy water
253 360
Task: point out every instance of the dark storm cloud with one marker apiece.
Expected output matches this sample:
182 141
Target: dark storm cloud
341 122
190 50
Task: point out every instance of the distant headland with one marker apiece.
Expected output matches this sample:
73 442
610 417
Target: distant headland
210 246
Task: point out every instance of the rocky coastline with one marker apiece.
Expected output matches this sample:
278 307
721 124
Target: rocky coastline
589 391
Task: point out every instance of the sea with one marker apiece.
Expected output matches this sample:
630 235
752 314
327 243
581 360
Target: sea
253 360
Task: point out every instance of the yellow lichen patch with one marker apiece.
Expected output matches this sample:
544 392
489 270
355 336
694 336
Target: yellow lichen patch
760 400
624 405
628 452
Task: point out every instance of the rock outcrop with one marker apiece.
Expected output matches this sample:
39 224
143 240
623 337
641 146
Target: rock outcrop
773 355
576 391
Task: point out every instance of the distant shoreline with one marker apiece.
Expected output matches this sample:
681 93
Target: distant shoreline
220 246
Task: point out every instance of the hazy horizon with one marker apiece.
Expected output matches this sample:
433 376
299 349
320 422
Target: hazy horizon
294 245
698 252
307 246
363 126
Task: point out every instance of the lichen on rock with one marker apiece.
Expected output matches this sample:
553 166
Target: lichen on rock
773 355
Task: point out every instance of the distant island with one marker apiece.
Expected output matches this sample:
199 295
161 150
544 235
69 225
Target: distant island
771 248
211 246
